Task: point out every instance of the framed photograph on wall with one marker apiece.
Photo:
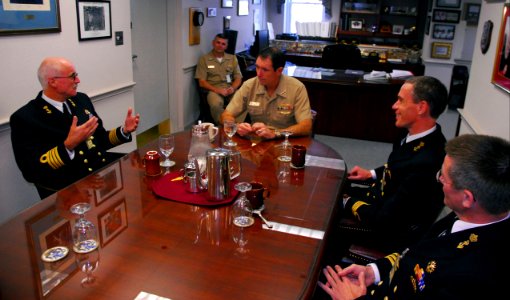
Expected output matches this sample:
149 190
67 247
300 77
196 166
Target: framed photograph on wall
227 3
94 20
441 50
443 32
446 16
472 13
501 69
448 3
25 17
242 8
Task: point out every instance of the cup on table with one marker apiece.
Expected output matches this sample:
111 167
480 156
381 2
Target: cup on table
213 130
298 156
151 163
257 194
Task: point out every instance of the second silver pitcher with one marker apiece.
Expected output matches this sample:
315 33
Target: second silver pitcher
222 166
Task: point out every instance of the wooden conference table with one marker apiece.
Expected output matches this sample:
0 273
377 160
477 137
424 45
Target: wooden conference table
176 250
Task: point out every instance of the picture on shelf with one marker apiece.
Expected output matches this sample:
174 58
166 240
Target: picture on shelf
398 29
356 24
443 32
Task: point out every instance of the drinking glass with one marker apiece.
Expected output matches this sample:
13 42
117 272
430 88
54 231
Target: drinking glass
285 147
230 128
242 211
84 233
88 263
166 146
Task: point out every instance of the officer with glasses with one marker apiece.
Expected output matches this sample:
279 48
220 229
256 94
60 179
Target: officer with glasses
58 137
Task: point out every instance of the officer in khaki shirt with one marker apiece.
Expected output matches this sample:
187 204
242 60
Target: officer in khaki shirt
273 101
219 73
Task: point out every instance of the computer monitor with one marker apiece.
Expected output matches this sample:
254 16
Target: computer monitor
231 35
261 42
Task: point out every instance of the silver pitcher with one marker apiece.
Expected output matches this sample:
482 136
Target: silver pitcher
222 165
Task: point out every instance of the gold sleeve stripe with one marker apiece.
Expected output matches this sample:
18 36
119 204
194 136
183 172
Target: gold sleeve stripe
52 158
114 140
355 207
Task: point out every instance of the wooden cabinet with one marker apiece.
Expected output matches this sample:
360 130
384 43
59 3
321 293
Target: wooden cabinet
388 22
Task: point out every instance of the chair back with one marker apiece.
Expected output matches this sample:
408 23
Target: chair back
341 56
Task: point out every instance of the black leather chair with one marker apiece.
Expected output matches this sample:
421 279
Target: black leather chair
205 111
341 56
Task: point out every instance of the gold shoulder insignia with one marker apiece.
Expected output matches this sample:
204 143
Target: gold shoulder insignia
72 102
48 111
473 238
419 146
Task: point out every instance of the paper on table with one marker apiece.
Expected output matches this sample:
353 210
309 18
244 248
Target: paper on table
324 162
296 230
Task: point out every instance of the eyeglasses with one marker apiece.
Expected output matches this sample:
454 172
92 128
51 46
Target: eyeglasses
440 178
72 76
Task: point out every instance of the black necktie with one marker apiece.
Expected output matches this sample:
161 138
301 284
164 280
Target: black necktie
66 110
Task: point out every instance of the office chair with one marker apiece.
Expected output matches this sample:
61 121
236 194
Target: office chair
341 56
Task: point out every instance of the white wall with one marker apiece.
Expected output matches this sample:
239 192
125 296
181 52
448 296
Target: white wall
487 107
105 71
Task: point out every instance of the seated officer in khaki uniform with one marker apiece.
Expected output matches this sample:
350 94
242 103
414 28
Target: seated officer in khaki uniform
274 102
219 73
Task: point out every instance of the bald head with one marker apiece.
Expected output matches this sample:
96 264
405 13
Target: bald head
51 67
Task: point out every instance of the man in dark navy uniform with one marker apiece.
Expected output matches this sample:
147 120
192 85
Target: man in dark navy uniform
464 255
404 198
58 137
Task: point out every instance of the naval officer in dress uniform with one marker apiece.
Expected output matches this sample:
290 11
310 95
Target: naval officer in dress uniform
58 137
465 254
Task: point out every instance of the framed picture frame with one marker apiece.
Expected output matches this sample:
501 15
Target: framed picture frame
110 182
46 230
112 222
472 13
448 3
243 8
398 29
356 24
227 3
443 32
255 2
94 20
24 17
441 50
211 12
446 16
501 69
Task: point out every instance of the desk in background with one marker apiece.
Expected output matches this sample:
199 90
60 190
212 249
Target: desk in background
348 106
172 249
